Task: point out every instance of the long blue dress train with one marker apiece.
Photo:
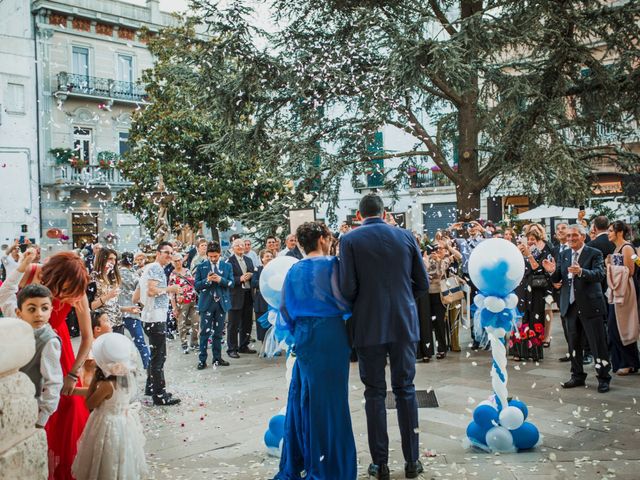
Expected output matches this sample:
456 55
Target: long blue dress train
318 438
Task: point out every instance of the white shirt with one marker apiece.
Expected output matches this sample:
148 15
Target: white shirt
254 257
10 265
8 292
52 380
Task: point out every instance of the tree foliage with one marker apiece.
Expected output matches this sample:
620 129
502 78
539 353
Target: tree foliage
245 123
521 93
216 186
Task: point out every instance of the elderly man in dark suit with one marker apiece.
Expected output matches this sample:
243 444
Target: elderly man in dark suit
213 279
382 273
241 313
582 303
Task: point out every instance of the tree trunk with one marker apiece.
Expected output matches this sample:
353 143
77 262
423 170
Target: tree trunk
467 202
213 225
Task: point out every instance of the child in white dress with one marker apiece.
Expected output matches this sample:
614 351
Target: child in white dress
112 444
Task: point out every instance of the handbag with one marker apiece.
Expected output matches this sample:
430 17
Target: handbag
451 290
539 280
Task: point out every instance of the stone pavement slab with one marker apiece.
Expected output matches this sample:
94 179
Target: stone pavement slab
217 431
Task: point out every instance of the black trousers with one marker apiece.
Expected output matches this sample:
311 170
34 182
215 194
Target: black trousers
593 329
240 324
156 331
402 359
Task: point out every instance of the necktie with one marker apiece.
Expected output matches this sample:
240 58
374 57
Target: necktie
572 292
216 298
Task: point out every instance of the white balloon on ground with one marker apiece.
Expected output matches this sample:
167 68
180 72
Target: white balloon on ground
511 418
499 439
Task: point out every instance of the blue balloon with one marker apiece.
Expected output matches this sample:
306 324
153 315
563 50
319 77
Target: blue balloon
484 416
526 436
521 406
476 433
270 440
276 425
272 279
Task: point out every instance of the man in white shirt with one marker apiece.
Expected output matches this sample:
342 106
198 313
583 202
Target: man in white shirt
249 252
154 292
292 250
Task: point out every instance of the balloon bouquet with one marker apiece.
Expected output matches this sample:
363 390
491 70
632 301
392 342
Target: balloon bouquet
496 268
277 338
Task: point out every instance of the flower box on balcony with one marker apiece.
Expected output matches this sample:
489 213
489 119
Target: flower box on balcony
107 160
62 155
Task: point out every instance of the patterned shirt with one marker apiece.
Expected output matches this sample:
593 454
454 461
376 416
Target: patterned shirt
186 282
155 308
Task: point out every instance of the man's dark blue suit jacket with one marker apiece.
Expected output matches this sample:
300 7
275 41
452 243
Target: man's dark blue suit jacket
381 274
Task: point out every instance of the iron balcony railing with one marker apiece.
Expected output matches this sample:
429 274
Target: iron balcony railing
429 180
88 175
100 87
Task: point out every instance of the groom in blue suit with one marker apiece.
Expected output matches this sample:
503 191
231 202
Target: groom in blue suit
382 273
213 279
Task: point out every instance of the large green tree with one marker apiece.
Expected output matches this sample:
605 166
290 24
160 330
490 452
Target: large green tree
167 136
525 93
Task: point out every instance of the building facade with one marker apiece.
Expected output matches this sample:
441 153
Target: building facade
91 58
19 202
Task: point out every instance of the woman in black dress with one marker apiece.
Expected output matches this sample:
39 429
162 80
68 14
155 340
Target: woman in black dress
527 343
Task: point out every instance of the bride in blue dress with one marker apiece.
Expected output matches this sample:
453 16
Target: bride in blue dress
318 438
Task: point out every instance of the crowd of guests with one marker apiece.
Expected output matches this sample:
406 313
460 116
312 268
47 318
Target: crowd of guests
210 300
589 272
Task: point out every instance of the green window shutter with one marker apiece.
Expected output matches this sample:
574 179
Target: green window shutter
376 178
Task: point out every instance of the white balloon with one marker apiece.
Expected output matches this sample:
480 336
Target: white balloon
494 304
499 439
512 300
479 300
486 267
511 418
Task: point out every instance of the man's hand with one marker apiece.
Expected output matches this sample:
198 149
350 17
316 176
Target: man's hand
246 277
549 265
575 270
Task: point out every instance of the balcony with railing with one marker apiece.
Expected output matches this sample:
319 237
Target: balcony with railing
428 179
70 84
87 176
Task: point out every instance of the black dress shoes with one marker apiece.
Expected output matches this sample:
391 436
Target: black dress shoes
564 359
221 363
233 355
201 366
573 383
166 401
247 350
603 386
413 469
381 472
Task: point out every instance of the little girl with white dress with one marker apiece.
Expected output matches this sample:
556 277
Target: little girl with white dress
112 444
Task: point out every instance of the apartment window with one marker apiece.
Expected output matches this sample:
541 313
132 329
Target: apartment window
123 142
376 167
125 68
15 98
81 61
82 142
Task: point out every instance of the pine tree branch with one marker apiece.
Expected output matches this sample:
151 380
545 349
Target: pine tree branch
442 18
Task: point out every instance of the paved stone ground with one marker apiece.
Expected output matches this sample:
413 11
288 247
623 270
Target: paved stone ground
216 433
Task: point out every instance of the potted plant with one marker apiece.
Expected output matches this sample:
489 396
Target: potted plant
62 155
107 160
77 162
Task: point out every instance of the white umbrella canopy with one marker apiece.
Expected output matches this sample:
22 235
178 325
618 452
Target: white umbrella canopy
551 211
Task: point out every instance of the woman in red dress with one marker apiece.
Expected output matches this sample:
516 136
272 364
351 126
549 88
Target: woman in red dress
66 276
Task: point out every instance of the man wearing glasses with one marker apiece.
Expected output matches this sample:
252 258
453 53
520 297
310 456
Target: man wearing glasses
154 293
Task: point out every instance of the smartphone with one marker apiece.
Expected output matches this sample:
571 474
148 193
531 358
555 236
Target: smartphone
23 247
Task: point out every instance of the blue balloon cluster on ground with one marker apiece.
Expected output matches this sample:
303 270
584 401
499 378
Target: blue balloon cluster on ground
274 434
504 431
